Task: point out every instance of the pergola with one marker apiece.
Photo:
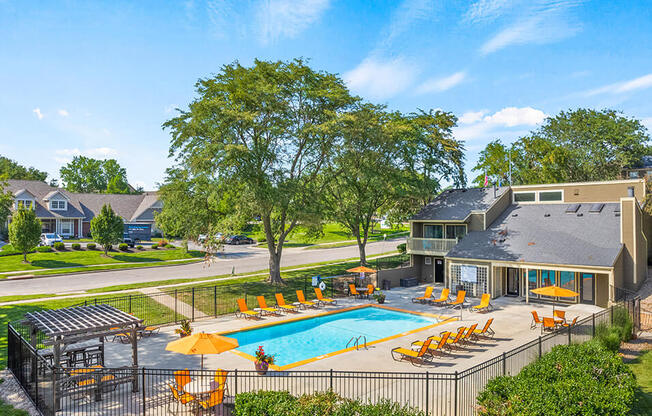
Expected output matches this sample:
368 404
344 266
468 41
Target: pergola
66 326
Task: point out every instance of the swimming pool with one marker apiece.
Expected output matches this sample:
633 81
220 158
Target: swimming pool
302 340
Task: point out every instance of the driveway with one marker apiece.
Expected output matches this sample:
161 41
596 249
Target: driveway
238 259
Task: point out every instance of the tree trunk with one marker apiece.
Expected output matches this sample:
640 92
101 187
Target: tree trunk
274 252
275 268
25 257
363 252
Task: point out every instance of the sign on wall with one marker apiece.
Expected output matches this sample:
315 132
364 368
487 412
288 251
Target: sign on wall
469 274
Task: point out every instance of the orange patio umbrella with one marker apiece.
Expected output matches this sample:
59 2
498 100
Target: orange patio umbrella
555 291
202 343
362 270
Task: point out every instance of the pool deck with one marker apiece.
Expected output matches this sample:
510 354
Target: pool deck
511 323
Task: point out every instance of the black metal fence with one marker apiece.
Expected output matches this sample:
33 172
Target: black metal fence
392 262
145 391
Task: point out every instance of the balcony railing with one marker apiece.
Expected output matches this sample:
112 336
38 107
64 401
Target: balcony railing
430 246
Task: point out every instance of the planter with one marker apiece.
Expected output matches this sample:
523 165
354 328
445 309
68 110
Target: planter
381 300
261 367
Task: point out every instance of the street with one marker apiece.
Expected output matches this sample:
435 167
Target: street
241 259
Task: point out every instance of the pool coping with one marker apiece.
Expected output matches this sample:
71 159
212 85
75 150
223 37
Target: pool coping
444 320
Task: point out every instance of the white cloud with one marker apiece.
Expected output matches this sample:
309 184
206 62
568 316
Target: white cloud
486 10
471 117
538 22
647 122
381 79
476 125
63 113
38 113
513 116
65 155
406 14
287 18
441 84
635 84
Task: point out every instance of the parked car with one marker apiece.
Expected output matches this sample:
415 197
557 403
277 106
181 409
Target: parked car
131 242
239 239
202 237
48 239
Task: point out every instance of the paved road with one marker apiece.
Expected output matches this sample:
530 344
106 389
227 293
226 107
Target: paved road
243 258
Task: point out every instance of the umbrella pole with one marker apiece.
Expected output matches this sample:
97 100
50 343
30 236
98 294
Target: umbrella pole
202 361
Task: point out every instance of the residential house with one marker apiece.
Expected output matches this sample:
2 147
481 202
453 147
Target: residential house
69 214
589 237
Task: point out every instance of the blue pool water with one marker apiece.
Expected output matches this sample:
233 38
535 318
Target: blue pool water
312 337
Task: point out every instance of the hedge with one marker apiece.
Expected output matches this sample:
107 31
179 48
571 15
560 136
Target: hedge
59 246
139 247
402 248
580 379
91 246
123 247
282 403
44 249
76 246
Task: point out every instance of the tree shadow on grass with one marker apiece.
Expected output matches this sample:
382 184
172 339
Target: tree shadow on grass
131 259
54 264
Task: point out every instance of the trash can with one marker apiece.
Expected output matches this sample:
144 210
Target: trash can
386 284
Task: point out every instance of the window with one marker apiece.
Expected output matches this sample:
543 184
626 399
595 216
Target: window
67 227
427 260
58 205
567 280
525 196
472 288
27 203
455 231
633 174
532 281
546 196
572 209
433 231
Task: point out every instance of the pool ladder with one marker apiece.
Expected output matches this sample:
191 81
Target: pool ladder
356 342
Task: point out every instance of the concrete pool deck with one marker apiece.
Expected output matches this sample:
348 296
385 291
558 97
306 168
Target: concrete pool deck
511 323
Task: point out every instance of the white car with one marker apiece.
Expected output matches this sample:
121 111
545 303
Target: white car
48 239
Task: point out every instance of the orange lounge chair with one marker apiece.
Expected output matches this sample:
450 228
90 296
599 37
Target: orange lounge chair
244 311
322 299
264 309
399 354
566 324
486 331
303 302
280 303
426 296
459 301
436 348
353 291
180 399
469 336
484 303
548 324
443 299
535 320
370 290
452 342
220 379
559 314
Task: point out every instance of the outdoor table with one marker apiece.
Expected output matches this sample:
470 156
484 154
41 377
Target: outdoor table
201 385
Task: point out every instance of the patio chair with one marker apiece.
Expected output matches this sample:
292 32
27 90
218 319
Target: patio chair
484 304
220 379
486 331
322 299
435 348
548 324
370 290
280 303
244 311
459 301
182 377
148 331
566 324
469 336
399 354
535 320
443 299
216 397
122 337
426 296
264 309
303 302
179 399
353 291
559 314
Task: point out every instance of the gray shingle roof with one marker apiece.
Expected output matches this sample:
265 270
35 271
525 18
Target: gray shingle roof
457 204
592 239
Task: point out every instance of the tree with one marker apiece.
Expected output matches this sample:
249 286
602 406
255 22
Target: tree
573 146
24 230
262 133
6 201
10 169
85 174
107 228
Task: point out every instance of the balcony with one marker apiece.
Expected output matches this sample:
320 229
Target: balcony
430 246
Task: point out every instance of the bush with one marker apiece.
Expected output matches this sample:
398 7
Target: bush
123 247
44 249
8 247
578 379
282 403
402 248
139 247
76 246
154 246
162 243
169 246
91 246
59 246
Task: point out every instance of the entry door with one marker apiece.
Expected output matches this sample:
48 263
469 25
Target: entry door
512 282
439 270
587 288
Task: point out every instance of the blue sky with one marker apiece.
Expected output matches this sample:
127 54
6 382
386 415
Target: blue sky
99 78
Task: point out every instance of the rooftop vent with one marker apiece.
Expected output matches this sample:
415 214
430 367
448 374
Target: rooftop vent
546 215
597 208
571 209
617 209
579 214
514 215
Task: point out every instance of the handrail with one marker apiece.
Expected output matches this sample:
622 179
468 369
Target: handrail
356 343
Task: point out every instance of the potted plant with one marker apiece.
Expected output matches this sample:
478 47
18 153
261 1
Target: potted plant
184 329
379 296
263 361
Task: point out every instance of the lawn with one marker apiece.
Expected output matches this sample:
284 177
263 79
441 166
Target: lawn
74 258
642 368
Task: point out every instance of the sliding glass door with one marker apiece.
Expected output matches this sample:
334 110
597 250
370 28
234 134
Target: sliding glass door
587 288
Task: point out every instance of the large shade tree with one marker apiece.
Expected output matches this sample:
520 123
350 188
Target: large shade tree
24 230
262 133
107 228
573 146
85 174
10 169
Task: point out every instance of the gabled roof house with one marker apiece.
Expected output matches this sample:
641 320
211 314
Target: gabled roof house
69 214
589 237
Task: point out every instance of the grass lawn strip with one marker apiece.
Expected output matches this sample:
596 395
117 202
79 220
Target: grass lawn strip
642 368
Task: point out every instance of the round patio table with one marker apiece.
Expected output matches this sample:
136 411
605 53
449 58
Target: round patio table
201 386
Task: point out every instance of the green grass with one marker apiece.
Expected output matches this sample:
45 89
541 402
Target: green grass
76 259
642 368
7 410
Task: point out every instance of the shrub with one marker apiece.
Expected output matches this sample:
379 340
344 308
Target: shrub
8 247
59 246
91 246
44 249
123 247
570 380
139 247
169 246
162 243
154 246
402 248
76 246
